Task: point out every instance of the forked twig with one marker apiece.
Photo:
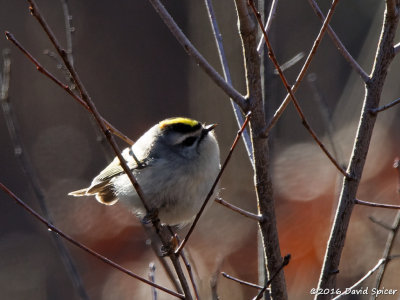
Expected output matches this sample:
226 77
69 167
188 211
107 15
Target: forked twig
253 285
210 193
285 262
291 91
53 228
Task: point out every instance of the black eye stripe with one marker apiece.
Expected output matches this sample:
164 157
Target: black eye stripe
189 141
183 128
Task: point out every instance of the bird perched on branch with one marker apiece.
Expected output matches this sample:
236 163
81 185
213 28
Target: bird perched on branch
175 163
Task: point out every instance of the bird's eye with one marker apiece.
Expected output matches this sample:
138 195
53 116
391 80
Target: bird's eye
189 141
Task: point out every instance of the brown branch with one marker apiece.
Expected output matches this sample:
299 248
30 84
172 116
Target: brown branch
211 192
291 93
385 107
339 45
65 87
304 69
373 204
374 87
200 60
365 277
253 285
391 237
239 210
54 229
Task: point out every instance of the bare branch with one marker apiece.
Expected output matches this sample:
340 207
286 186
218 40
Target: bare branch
54 229
339 45
227 75
304 69
385 107
292 96
365 277
253 285
239 210
200 60
210 193
373 204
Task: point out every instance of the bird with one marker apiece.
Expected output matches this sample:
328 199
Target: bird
175 163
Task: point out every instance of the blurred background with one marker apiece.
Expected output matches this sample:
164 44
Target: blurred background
137 74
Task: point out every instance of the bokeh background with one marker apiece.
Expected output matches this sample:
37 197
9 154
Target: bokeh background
137 74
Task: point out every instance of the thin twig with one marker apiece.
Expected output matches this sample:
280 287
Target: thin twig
65 87
291 93
304 69
267 28
239 210
152 275
285 262
211 192
253 285
339 45
200 60
227 75
391 237
28 170
385 107
369 273
373 204
54 229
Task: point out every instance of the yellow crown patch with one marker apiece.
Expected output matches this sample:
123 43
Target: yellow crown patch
180 120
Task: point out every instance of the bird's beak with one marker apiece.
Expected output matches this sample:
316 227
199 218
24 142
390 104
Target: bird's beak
210 127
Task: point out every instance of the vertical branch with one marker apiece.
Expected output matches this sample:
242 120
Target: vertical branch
262 178
384 56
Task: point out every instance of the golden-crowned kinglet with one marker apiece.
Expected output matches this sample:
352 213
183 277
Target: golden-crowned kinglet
179 161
